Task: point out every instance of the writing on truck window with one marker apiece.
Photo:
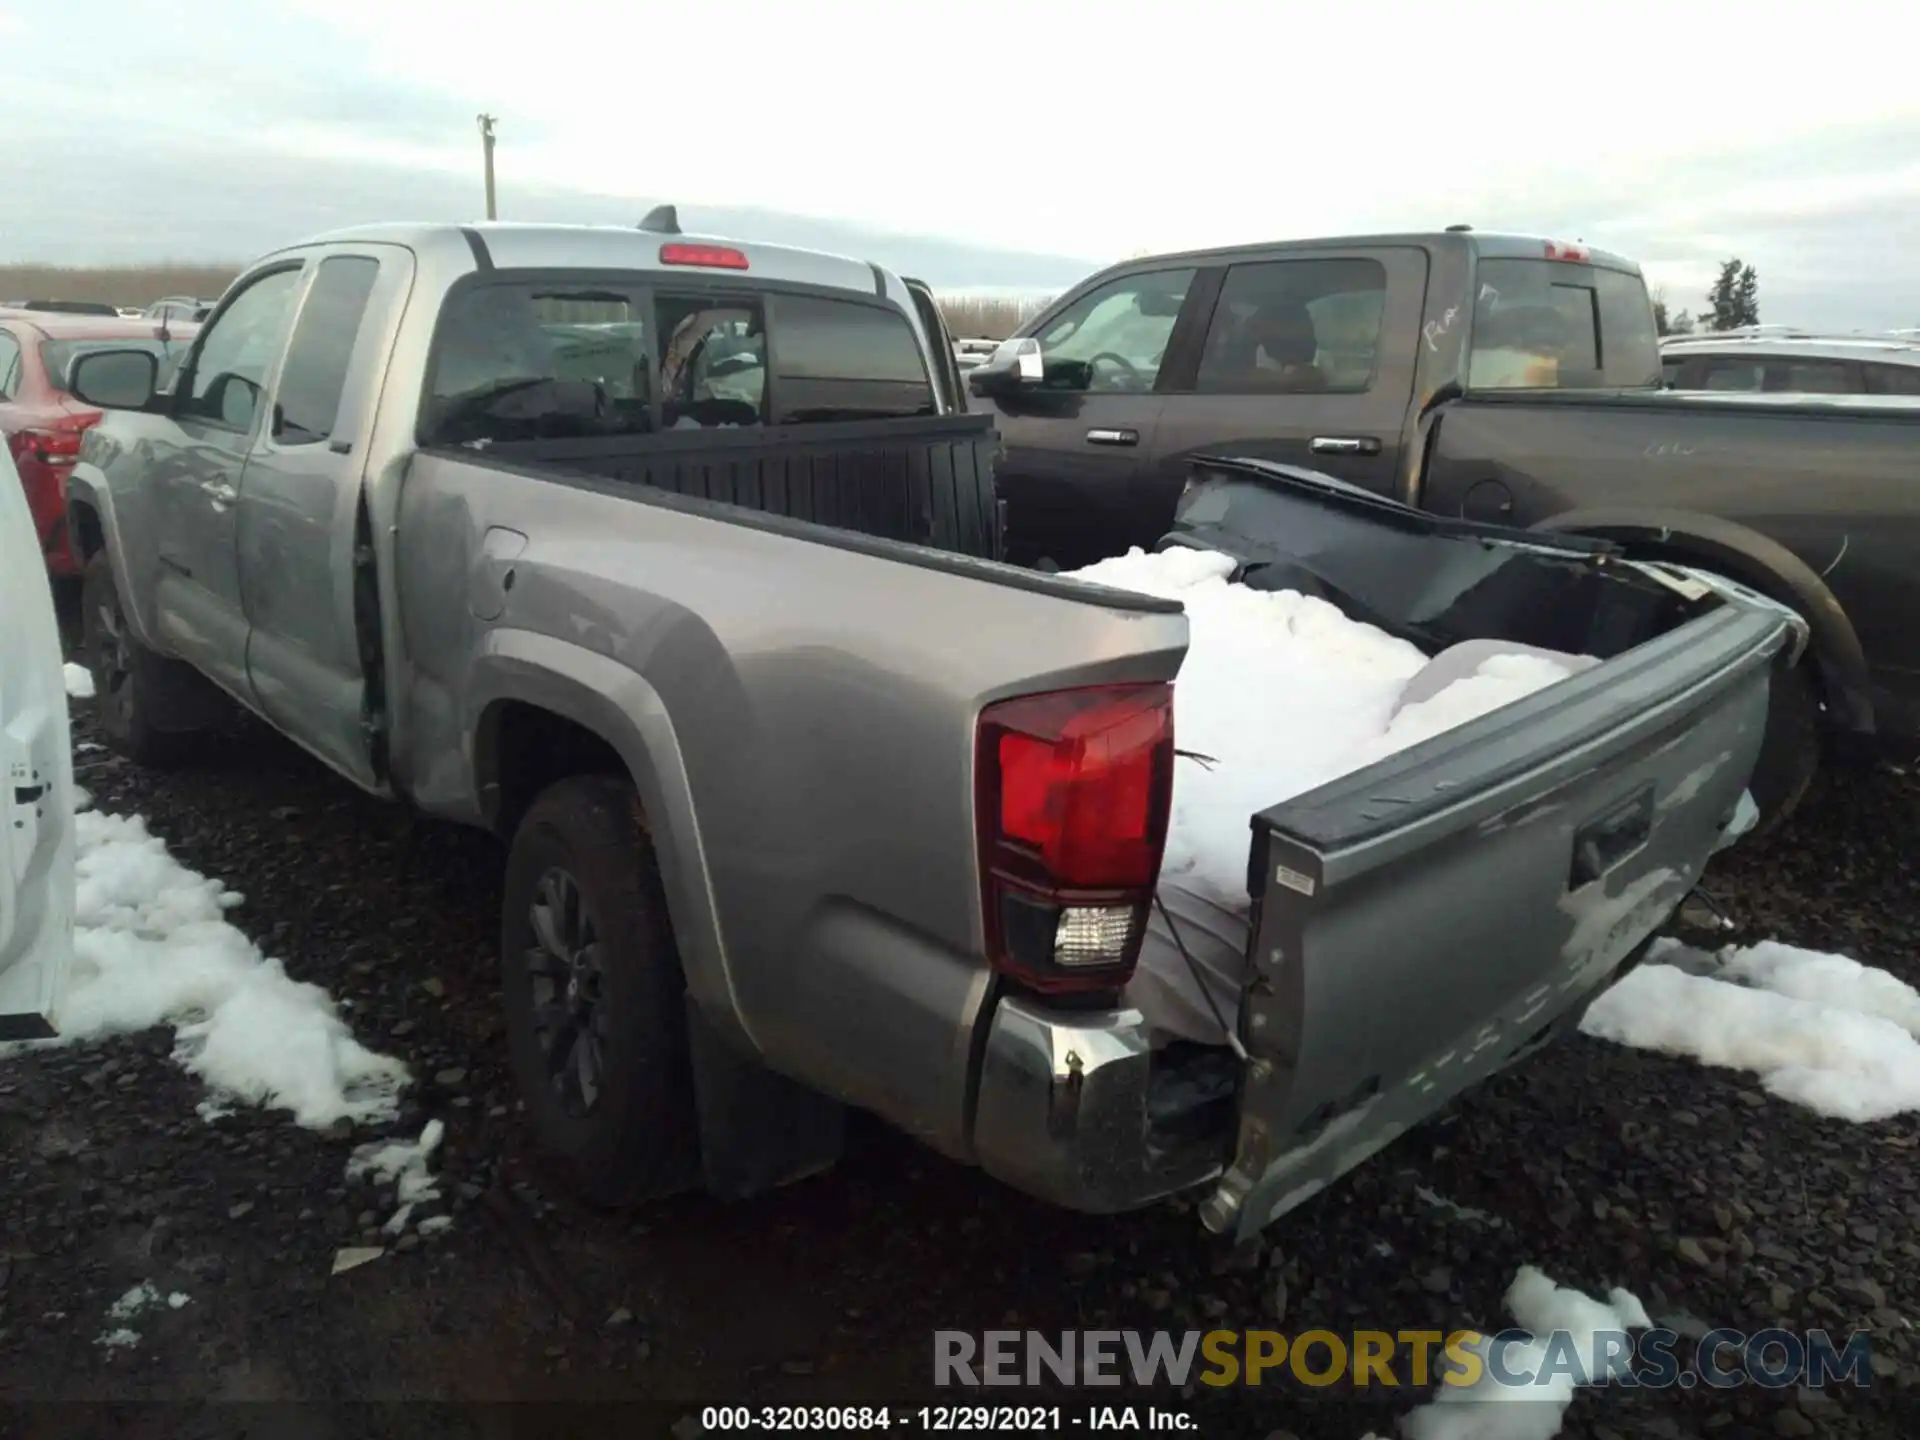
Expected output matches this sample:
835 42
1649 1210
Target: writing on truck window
1548 325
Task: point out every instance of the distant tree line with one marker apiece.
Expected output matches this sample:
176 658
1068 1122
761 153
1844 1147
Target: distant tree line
1733 301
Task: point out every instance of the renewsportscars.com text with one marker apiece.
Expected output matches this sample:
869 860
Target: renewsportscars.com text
1654 1359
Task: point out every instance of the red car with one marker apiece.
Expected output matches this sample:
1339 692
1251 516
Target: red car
42 423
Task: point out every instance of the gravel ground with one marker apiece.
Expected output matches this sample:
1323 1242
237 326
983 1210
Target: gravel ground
1713 1202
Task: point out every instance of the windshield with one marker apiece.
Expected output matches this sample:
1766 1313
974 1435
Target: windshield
1549 325
57 355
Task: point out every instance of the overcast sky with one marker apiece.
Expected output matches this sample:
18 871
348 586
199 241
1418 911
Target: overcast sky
1026 141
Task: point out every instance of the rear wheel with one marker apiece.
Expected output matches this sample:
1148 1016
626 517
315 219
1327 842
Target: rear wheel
130 682
596 1015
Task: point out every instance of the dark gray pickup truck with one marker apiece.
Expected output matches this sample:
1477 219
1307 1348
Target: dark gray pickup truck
667 560
1490 377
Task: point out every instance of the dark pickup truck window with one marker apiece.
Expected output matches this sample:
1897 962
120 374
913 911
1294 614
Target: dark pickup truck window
1549 325
1289 327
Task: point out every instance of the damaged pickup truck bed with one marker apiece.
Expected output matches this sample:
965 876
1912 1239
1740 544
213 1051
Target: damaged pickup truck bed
668 561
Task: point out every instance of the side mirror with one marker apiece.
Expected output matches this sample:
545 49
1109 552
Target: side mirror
1017 365
114 379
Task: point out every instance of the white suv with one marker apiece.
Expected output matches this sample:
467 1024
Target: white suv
36 782
1783 360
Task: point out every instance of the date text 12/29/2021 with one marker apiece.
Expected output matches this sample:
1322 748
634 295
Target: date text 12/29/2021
977 1419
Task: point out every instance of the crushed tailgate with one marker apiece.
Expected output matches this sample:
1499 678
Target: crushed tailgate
1430 919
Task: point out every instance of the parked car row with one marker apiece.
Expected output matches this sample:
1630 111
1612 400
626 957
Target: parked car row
43 424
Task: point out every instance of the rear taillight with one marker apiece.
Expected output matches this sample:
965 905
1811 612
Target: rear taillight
51 445
1074 790
1560 250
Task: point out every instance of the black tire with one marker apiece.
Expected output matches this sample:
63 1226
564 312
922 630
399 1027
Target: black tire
130 682
1793 748
638 1138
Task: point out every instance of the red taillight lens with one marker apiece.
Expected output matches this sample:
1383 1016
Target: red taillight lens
1074 792
713 257
1574 254
59 446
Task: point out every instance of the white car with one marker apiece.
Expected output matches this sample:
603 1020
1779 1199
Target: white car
36 782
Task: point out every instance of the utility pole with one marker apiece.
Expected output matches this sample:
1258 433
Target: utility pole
486 145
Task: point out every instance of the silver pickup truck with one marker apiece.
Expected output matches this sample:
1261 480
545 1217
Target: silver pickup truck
672 561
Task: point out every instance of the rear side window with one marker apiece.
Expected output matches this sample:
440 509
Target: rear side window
1548 325
841 360
1295 327
315 373
1893 379
1731 372
1812 377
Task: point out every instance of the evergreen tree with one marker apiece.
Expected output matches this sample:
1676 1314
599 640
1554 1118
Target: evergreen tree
1734 299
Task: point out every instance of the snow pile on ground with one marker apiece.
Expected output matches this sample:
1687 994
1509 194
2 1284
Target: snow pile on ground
1821 1030
1563 1324
130 1306
1281 692
152 946
141 1297
403 1164
79 681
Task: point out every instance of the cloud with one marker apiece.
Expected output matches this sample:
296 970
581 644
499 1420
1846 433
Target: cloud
174 205
1070 129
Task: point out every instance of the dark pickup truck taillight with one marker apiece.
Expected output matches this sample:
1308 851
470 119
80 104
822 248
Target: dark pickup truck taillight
1074 792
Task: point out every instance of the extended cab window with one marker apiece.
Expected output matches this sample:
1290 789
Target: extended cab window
522 360
315 374
844 360
1551 325
230 366
1295 327
1114 338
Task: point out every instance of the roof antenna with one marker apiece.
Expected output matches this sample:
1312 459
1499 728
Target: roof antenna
662 220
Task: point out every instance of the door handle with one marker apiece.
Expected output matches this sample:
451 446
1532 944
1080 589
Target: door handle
1606 840
221 494
1345 445
1113 437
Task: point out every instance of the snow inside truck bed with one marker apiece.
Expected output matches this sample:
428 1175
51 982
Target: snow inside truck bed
1281 692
